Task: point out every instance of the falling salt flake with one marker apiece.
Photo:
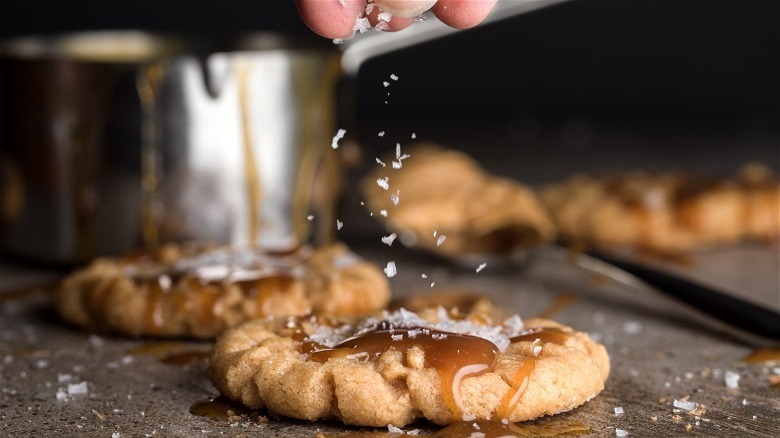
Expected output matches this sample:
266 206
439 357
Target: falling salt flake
362 25
393 77
338 40
383 182
385 83
620 432
339 224
394 197
398 151
619 410
369 7
414 135
388 240
381 134
383 213
685 405
424 275
397 164
390 270
380 162
441 239
339 135
481 267
433 283
362 203
732 379
632 327
310 217
77 388
435 233
384 16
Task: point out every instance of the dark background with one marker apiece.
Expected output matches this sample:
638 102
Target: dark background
658 58
689 82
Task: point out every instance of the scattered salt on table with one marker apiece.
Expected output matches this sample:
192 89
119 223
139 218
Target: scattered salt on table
732 379
620 432
619 410
77 388
684 405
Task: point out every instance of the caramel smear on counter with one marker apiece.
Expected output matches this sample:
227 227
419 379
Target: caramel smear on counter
171 353
218 407
492 429
763 355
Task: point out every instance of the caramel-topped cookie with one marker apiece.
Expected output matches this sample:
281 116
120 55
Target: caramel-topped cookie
445 366
198 291
665 211
445 192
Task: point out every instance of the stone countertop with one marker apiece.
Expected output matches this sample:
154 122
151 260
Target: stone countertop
59 380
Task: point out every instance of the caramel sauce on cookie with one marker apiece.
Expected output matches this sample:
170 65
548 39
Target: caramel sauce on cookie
522 376
454 356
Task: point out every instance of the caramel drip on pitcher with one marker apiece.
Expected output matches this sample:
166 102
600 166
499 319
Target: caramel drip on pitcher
252 177
522 376
454 356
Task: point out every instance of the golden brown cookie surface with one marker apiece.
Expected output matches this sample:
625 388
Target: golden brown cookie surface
401 366
199 292
666 212
447 192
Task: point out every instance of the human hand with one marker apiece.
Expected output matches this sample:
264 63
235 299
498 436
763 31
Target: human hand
336 18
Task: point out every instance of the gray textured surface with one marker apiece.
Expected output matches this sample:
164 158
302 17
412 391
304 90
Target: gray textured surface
658 355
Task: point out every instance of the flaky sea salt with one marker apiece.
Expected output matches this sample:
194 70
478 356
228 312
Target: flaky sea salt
619 410
362 25
424 275
310 217
390 270
384 16
339 135
382 163
381 134
394 197
62 378
339 224
441 239
61 394
383 182
388 240
620 432
684 405
632 327
393 77
732 379
385 83
481 267
383 213
77 388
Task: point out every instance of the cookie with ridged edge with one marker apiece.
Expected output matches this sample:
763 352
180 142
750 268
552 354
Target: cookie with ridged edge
199 291
297 367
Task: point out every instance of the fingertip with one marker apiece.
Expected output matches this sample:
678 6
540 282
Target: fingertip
330 18
395 23
462 14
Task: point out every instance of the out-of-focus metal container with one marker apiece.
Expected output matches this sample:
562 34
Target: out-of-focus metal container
110 141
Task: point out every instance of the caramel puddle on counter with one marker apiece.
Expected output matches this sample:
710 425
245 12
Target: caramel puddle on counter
171 353
492 429
218 407
763 355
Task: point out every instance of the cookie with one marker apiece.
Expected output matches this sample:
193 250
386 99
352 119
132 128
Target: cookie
397 367
665 211
445 192
198 291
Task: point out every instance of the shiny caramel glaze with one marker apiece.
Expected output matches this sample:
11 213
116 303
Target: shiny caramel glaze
218 407
522 377
454 356
494 429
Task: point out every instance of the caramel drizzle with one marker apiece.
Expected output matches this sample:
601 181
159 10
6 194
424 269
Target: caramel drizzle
454 356
522 376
